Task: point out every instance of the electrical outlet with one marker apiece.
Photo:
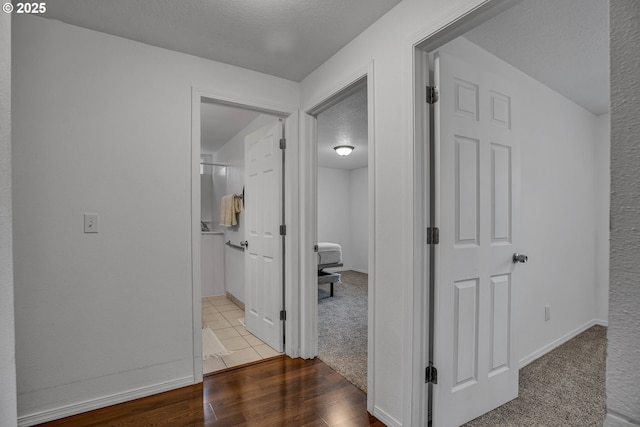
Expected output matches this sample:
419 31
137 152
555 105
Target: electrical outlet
547 313
90 222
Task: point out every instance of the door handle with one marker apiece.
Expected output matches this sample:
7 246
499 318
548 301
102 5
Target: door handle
244 244
520 258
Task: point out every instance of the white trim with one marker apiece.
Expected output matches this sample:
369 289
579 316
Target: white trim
557 343
291 213
614 419
387 419
102 402
308 238
308 161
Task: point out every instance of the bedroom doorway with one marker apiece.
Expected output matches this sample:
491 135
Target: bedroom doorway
343 209
504 95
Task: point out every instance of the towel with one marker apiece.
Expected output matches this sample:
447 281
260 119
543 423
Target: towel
230 206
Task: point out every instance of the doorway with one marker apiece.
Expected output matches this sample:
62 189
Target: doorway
561 140
229 139
343 241
351 179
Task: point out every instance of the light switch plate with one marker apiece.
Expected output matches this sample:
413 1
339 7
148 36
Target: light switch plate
90 222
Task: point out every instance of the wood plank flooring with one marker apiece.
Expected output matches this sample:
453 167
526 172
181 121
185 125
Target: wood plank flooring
277 392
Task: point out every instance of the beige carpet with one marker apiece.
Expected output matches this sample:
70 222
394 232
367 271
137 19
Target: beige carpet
342 328
564 388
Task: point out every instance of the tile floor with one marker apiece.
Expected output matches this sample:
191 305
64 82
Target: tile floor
222 316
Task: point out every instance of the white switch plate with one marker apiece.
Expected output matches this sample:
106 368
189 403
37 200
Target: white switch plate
90 222
547 313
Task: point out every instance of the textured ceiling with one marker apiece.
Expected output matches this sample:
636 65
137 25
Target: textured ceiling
220 123
562 43
285 38
344 124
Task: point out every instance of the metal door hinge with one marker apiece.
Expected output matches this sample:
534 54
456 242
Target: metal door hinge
315 248
432 94
283 230
431 374
283 144
283 315
433 235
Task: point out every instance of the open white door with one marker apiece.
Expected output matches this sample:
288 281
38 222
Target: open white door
263 254
476 196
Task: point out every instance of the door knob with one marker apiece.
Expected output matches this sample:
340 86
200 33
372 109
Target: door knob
520 258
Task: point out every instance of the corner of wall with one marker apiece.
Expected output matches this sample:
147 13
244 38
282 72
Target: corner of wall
8 400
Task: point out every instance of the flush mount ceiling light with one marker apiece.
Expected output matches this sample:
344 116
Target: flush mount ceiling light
343 150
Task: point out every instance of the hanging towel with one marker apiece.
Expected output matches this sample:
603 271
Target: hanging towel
238 205
227 216
230 206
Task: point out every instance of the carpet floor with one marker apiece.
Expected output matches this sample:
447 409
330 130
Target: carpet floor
565 387
342 327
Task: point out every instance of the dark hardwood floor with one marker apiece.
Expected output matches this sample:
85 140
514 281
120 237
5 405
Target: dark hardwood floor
277 392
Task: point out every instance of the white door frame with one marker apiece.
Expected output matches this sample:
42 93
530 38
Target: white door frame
418 301
291 213
309 220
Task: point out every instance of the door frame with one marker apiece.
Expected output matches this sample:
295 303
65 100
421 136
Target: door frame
291 194
309 213
419 315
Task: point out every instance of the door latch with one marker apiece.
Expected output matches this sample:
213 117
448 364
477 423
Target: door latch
520 258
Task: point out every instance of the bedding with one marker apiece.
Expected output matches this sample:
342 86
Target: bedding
329 254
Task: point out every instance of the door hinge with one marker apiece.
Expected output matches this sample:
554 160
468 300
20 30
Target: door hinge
431 374
283 230
315 248
433 235
432 94
283 315
283 144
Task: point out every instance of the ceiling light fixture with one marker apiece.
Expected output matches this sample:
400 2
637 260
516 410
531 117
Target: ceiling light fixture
343 150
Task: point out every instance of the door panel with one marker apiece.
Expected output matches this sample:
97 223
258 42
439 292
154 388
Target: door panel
263 255
477 211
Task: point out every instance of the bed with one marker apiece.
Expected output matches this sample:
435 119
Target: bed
329 255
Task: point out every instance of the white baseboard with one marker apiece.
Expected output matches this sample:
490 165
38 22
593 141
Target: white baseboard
101 402
557 343
387 419
613 419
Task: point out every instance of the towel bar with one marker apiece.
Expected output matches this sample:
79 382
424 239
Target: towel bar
231 245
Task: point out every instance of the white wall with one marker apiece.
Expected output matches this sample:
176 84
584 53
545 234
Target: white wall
388 44
342 214
7 335
359 224
334 220
623 345
103 124
232 155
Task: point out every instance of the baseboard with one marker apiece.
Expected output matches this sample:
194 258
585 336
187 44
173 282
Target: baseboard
601 322
235 300
359 270
613 419
557 343
386 419
101 402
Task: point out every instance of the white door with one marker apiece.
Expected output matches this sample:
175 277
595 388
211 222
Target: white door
263 255
477 213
